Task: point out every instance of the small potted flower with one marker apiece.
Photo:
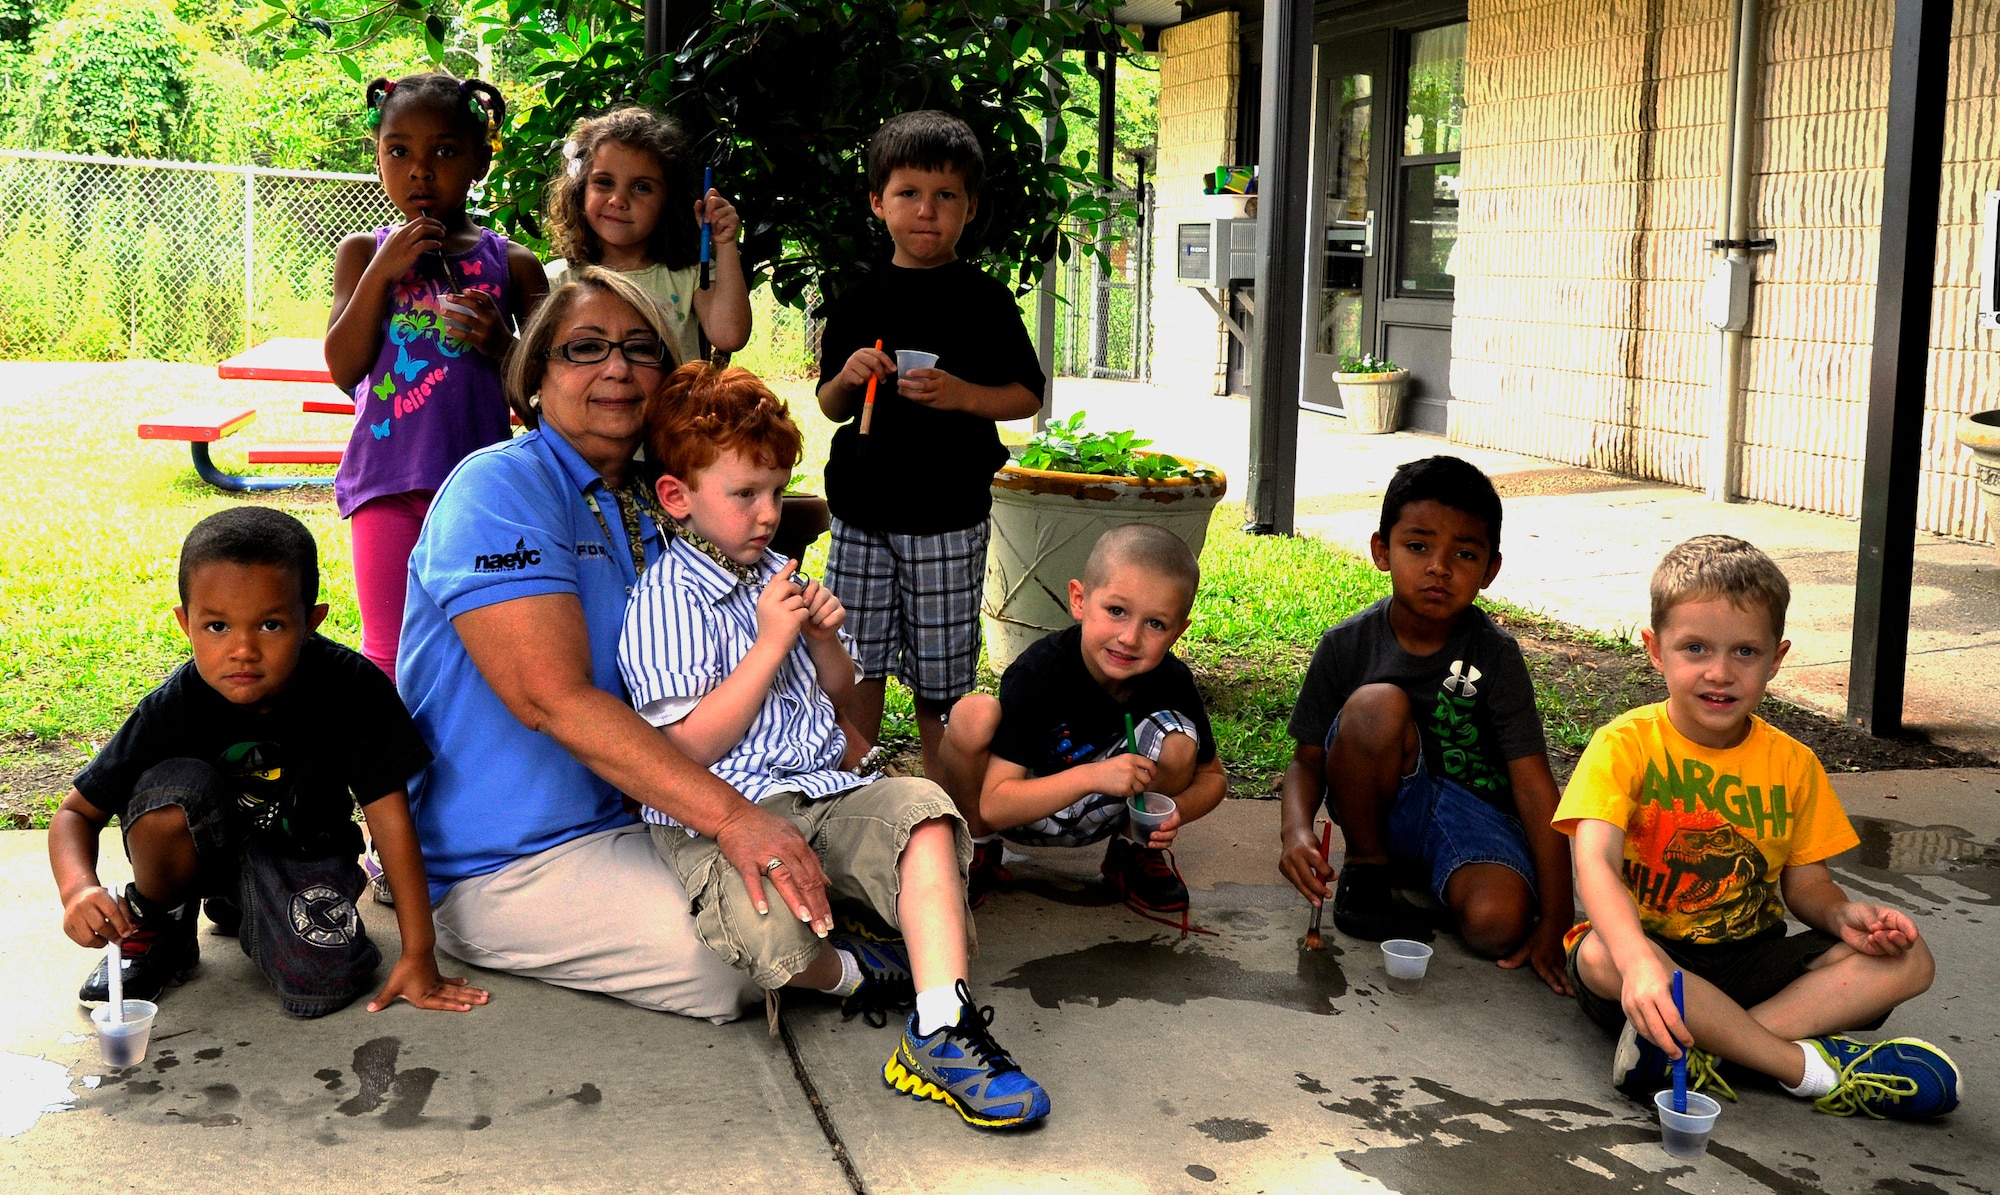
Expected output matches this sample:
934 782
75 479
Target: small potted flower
1980 431
1371 392
1068 486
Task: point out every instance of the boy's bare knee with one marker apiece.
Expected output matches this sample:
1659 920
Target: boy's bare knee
1918 970
159 826
974 720
1375 717
1495 909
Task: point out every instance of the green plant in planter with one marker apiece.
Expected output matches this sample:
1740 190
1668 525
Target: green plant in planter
1367 363
1069 447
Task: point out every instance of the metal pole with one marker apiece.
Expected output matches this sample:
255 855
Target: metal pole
249 258
1919 60
1282 155
1045 292
1726 410
655 18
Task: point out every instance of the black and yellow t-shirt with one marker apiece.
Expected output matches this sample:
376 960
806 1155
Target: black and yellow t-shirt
1707 832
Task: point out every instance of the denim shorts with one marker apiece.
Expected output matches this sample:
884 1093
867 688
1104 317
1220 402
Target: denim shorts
1440 826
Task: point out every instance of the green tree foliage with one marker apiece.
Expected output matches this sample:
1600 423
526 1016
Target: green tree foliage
114 79
781 98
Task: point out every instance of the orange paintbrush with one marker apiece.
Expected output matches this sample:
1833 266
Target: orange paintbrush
868 403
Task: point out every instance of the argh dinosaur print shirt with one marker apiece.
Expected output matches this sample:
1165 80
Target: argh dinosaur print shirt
1707 832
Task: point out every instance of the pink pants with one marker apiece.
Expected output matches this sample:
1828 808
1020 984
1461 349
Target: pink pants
385 532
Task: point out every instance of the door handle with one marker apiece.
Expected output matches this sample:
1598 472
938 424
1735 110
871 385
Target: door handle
1368 236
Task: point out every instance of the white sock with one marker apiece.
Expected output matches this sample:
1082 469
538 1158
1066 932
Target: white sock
850 975
1819 1077
937 1007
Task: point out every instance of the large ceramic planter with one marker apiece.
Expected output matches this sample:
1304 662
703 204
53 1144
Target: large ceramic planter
1044 525
1373 401
1981 433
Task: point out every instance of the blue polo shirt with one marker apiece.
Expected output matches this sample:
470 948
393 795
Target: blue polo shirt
512 521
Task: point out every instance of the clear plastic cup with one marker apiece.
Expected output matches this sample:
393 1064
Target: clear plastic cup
1685 1134
1406 962
909 359
124 1042
1140 823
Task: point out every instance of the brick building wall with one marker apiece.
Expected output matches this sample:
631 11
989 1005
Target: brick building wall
1200 69
1594 172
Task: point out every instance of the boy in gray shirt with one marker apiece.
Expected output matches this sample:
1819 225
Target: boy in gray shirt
1416 726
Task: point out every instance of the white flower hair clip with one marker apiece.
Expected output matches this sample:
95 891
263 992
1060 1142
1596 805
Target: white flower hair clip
574 157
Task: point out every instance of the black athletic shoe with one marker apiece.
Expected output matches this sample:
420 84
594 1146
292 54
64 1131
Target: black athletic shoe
161 951
1365 905
1144 878
223 915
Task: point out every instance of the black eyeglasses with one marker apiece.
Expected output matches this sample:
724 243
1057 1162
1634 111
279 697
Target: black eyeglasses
589 350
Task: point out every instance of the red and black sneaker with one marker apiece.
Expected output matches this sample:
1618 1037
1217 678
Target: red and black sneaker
161 951
1144 878
986 875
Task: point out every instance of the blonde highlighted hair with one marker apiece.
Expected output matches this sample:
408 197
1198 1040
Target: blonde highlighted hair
1720 566
529 361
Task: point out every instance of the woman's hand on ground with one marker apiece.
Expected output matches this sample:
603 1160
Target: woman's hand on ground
753 840
415 978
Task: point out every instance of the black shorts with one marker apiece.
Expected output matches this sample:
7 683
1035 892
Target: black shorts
1749 971
300 923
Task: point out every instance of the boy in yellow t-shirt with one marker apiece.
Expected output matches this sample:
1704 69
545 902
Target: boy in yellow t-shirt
1698 826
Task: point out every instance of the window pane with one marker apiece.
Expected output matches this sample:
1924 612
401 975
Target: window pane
1430 228
1338 326
1435 103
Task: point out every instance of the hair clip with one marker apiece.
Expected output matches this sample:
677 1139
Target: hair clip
574 156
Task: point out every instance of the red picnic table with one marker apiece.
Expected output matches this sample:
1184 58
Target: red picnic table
288 359
285 359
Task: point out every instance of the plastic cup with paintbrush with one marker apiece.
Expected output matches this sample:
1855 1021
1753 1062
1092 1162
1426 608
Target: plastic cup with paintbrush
1313 939
123 1026
1686 1117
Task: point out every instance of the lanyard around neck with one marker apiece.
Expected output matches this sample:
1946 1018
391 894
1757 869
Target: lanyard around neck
630 499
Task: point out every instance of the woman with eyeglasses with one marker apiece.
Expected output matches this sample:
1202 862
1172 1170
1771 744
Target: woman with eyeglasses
509 663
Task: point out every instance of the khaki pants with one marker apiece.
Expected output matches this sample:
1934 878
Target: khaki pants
859 836
601 913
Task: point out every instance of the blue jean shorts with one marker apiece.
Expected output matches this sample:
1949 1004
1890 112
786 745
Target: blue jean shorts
1440 826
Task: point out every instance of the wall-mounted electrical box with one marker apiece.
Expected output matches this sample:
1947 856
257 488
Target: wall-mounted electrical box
1989 261
1215 253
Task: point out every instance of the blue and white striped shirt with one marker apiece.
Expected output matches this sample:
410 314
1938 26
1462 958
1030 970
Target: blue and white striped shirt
687 627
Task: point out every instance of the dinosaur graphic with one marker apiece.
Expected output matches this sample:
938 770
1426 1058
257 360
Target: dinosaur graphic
1716 858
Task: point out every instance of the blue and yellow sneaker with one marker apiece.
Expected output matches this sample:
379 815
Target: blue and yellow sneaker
962 1066
1902 1077
1642 1068
885 978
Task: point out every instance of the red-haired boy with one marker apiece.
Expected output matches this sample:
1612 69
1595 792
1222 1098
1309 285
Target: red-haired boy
741 661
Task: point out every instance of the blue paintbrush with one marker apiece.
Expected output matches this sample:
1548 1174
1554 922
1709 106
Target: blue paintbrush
1681 1063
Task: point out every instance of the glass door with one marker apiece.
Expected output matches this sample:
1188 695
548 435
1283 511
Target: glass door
1342 270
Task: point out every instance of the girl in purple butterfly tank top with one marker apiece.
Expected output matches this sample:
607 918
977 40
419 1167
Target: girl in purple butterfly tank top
423 317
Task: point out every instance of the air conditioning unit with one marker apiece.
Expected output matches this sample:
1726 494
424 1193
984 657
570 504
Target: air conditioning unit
1215 253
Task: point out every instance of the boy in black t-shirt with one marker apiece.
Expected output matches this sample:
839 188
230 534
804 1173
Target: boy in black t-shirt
236 780
908 483
1416 726
1047 763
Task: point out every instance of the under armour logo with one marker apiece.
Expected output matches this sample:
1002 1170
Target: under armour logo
1461 678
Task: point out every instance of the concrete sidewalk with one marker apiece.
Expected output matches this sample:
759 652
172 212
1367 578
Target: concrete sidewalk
1580 546
1230 1062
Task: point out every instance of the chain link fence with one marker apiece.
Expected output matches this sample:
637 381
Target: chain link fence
114 258
1103 324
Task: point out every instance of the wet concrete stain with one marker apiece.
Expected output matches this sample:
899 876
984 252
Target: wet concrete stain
210 1054
1311 1085
143 1087
1515 1151
405 1091
1231 1129
166 1061
1892 851
327 1137
1161 971
588 1095
1905 1186
331 1076
1202 1173
479 1122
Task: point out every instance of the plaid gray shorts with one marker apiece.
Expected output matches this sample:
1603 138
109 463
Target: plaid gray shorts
912 604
